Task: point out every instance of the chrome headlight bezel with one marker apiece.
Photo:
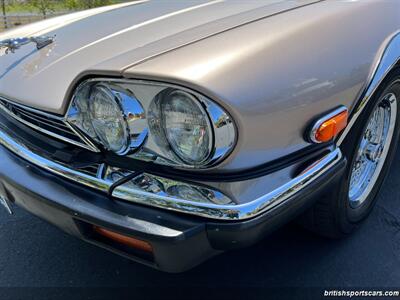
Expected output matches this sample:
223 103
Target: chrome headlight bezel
145 143
130 108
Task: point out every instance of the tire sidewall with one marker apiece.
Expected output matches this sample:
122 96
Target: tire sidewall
348 216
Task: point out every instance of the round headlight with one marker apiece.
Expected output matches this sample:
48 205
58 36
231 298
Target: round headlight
150 121
187 127
108 120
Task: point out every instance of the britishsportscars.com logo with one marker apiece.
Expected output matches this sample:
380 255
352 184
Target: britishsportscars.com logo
362 293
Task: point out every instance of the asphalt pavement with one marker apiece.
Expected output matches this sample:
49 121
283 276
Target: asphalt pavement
35 254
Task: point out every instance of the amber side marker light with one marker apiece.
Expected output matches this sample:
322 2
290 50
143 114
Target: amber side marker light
329 126
123 239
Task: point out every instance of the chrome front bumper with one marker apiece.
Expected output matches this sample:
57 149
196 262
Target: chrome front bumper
235 210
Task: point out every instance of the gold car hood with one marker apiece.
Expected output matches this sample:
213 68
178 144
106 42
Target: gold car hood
111 39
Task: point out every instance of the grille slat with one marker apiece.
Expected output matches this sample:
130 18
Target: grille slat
42 118
48 124
57 127
54 125
91 169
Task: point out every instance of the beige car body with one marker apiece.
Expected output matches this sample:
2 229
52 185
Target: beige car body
271 64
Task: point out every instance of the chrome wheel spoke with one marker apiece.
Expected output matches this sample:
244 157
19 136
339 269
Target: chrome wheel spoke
372 150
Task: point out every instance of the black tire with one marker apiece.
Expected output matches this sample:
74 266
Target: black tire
332 216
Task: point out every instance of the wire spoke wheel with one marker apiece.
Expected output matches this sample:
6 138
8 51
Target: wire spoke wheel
369 148
372 150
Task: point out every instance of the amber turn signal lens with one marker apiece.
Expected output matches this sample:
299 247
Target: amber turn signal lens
329 127
123 239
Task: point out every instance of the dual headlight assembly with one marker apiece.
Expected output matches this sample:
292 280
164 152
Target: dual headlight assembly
152 121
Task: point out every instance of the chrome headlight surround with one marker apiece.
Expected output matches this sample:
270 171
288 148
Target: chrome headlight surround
140 103
129 113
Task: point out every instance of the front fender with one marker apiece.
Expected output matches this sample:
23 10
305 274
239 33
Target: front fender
387 60
277 74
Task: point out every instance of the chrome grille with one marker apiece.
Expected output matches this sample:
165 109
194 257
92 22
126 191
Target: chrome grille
94 169
51 125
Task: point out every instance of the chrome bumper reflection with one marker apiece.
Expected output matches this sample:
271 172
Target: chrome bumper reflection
221 207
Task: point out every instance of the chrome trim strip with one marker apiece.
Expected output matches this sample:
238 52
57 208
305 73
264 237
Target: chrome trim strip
19 149
212 211
390 58
88 143
84 144
323 119
233 212
5 204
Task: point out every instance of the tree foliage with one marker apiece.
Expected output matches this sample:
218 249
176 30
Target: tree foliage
83 4
3 11
44 6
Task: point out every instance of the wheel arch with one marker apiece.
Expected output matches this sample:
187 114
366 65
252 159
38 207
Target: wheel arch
388 58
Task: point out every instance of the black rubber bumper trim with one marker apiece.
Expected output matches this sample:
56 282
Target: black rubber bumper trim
306 154
73 155
179 241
